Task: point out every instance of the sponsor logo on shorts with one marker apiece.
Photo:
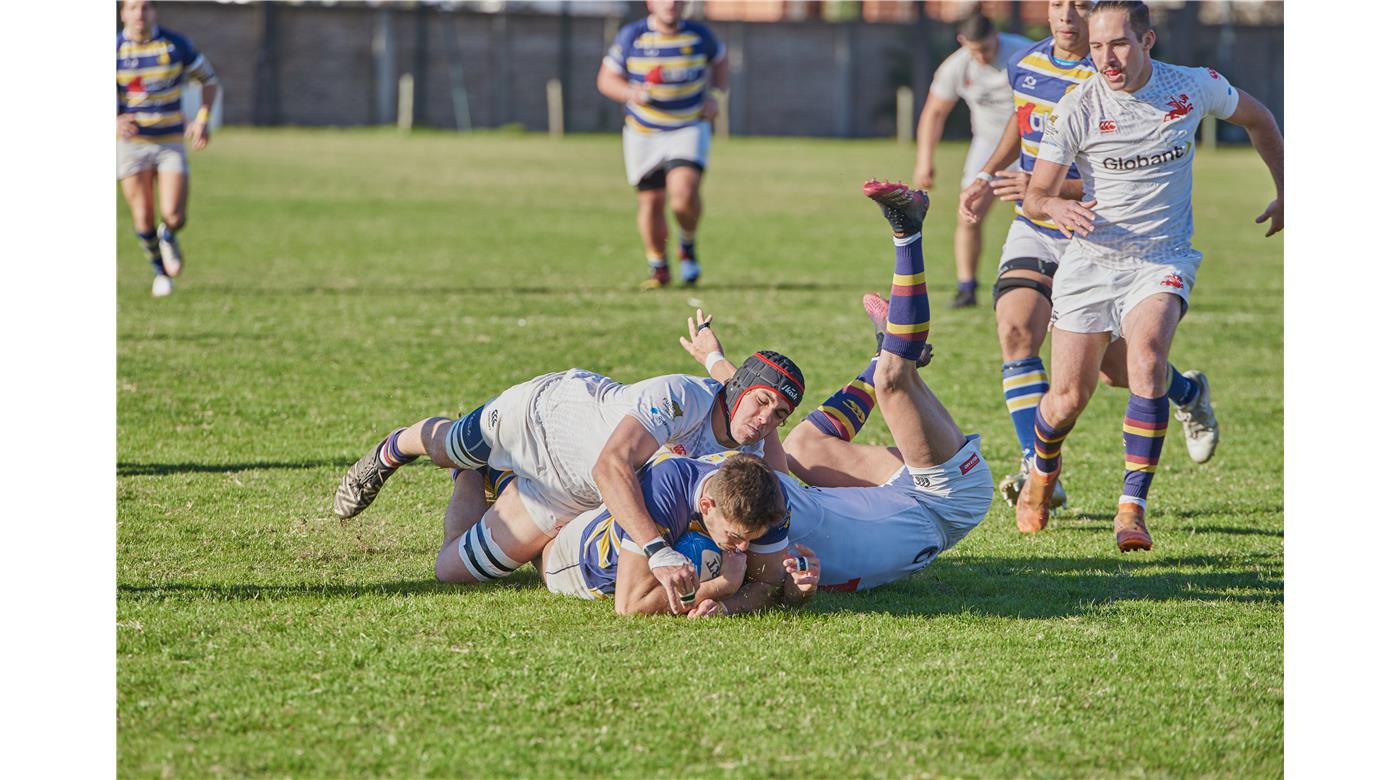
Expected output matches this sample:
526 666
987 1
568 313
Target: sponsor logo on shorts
969 463
1173 280
1146 160
1108 126
678 448
1181 106
923 481
493 418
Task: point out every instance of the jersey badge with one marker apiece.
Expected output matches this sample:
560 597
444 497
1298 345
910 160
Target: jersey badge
1108 126
1029 82
1181 106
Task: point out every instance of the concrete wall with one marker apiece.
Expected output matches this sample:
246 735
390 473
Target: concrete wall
316 65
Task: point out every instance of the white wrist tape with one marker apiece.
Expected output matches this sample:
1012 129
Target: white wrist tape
667 557
984 176
713 358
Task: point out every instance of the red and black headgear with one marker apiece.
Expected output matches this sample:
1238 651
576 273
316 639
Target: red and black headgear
768 370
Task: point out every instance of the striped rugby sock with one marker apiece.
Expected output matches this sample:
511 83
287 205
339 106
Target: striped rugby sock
845 412
151 244
1182 390
1048 442
906 330
389 453
1023 384
1144 432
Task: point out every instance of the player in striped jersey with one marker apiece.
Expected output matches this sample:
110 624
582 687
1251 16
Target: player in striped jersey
153 65
1039 77
661 69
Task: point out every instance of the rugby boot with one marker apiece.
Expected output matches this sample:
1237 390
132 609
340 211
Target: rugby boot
878 310
660 277
1033 503
170 255
963 299
1130 528
1011 485
905 208
1198 421
361 484
690 265
162 286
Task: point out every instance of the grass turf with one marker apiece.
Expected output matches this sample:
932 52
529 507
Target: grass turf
340 283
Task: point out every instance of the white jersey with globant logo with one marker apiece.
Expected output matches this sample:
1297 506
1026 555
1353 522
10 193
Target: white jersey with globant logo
578 413
984 87
1134 151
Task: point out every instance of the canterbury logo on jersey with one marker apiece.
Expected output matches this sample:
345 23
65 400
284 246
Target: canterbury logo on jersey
1146 161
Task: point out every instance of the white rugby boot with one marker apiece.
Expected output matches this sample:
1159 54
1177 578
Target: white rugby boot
162 286
1198 421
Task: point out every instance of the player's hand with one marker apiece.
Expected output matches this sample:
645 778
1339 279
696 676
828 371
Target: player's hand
732 568
708 608
126 125
804 569
1011 185
709 110
974 201
923 179
1071 215
198 134
1274 213
702 339
637 94
677 578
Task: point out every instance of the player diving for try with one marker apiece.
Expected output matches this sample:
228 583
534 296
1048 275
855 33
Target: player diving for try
1040 76
881 513
564 443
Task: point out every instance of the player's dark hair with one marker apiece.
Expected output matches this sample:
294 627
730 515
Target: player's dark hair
748 493
1139 18
976 27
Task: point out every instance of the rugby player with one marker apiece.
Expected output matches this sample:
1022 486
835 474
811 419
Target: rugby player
873 514
662 69
564 443
153 64
976 73
1130 266
1039 77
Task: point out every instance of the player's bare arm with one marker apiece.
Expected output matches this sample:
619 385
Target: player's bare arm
930 132
638 593
719 80
976 198
198 131
1264 134
616 87
615 474
762 588
1044 200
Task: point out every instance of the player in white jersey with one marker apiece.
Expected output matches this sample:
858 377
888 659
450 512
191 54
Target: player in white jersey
1130 266
874 514
570 441
1041 76
975 73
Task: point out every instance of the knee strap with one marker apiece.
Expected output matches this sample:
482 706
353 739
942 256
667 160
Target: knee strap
1008 283
1039 265
465 444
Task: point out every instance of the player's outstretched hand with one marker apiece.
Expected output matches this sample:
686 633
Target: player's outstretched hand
198 133
974 201
1071 215
803 568
1011 185
708 608
702 339
1274 213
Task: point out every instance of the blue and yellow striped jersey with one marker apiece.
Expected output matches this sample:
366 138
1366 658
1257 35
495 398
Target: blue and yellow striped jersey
674 67
1038 81
150 77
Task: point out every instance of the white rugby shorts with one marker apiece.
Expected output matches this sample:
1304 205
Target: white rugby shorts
1090 297
134 157
643 153
1023 240
563 571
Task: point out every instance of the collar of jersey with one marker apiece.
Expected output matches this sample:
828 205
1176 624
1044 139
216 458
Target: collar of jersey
699 488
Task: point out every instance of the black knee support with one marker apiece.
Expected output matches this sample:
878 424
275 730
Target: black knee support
1007 283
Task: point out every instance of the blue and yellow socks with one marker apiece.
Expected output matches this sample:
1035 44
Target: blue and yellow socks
1023 384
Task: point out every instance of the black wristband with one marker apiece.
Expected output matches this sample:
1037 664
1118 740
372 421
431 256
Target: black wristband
654 546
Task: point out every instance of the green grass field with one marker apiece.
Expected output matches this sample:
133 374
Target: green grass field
342 282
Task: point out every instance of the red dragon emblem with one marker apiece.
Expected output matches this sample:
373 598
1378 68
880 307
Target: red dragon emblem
1173 280
1181 106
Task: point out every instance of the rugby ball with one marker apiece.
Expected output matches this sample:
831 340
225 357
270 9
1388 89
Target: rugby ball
703 553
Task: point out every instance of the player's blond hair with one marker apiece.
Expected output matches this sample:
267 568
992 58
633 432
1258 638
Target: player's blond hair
748 493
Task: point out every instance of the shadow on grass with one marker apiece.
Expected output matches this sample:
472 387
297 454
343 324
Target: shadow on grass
182 591
157 469
1038 588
